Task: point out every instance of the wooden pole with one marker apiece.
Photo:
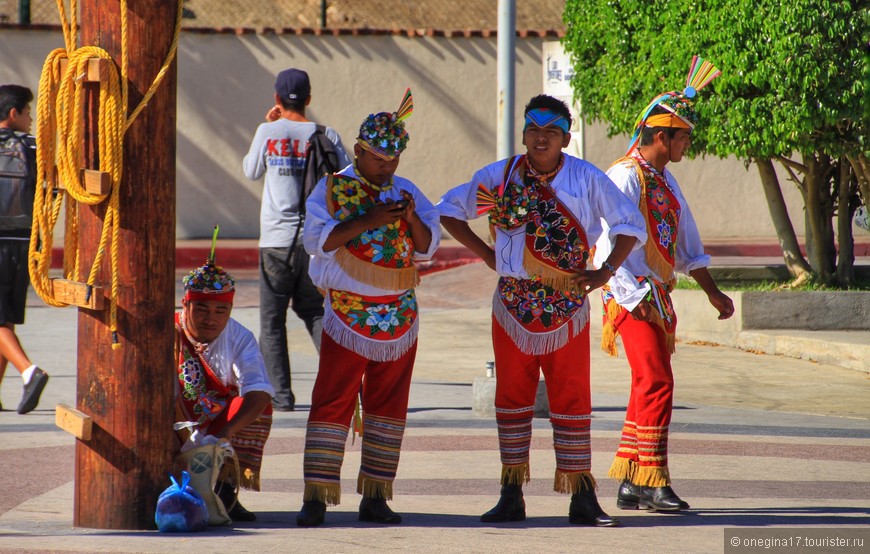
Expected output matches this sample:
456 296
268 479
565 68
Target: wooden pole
128 392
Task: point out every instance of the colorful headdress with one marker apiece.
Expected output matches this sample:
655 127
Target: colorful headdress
681 110
383 134
209 282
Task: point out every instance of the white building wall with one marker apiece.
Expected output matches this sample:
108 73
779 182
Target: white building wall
225 87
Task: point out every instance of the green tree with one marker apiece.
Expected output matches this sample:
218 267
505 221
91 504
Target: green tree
791 92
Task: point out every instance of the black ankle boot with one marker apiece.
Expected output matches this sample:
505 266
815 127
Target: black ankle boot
311 514
586 510
626 498
510 507
660 499
377 511
228 496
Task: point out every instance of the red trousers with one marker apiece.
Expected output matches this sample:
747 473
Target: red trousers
385 388
566 372
643 449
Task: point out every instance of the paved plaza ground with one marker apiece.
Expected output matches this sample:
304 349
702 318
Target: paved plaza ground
758 441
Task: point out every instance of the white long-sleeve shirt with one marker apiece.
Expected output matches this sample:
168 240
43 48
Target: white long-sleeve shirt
324 269
580 186
689 249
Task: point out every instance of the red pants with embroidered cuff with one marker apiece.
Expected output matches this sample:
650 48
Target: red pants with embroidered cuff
643 450
566 372
385 388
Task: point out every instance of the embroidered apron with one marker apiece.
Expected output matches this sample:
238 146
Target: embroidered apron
543 312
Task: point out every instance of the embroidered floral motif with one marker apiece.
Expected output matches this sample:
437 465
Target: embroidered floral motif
536 306
389 245
376 318
204 401
555 238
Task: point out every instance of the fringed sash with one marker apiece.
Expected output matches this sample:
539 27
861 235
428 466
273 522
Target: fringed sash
538 318
664 315
661 209
382 257
380 328
207 402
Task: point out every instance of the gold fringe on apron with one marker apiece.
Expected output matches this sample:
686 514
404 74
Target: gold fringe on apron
375 275
549 275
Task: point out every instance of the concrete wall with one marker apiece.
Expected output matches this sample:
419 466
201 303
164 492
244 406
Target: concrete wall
225 88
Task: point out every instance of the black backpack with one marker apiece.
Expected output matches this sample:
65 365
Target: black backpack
320 159
17 182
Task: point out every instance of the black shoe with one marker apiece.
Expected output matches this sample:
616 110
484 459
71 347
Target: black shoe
510 507
586 510
32 391
660 499
626 498
377 511
311 514
240 513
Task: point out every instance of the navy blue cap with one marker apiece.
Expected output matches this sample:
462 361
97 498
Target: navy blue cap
293 85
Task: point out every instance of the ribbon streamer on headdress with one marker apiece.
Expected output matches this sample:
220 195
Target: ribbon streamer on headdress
406 108
701 73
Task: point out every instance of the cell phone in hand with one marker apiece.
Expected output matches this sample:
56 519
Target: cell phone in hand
403 203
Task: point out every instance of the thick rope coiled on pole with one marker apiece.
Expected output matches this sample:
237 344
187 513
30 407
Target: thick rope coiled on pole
60 136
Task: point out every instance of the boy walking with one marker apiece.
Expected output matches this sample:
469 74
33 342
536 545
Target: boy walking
18 182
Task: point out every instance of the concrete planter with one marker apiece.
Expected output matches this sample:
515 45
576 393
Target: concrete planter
822 325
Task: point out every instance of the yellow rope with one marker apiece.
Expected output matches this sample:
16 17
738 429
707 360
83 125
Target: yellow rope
60 135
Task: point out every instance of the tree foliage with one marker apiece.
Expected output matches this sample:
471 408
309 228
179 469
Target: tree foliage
792 87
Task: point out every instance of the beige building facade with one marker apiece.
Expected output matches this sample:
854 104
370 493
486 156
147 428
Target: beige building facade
225 87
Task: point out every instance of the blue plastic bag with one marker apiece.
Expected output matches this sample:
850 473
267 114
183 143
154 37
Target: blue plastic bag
180 509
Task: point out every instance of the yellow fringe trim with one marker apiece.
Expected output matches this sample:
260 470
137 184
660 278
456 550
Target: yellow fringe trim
651 476
374 488
570 483
608 331
375 275
328 494
622 469
515 475
548 275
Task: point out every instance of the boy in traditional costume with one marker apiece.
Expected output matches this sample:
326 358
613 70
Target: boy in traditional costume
637 300
223 390
544 210
365 228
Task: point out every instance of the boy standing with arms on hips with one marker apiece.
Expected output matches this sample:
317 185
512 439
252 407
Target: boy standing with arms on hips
637 298
545 210
366 228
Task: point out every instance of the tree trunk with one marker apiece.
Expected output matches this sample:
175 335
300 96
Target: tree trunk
129 391
861 168
794 260
820 233
846 205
